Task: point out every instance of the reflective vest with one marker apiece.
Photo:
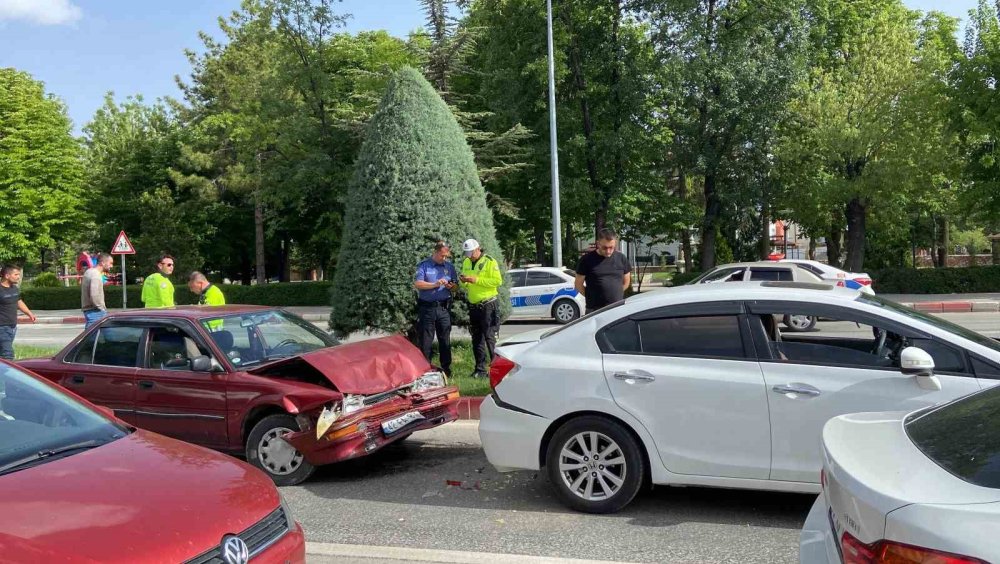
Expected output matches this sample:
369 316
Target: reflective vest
488 278
157 291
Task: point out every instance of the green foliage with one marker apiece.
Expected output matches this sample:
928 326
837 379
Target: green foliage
682 278
45 280
973 279
415 183
41 170
279 294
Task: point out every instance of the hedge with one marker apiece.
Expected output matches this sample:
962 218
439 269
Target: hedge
972 279
682 278
280 294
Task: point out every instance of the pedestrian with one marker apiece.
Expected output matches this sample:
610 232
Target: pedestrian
10 304
434 281
603 274
208 293
92 290
480 278
157 290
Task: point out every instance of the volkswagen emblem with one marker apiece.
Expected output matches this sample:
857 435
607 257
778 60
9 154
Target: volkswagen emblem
234 550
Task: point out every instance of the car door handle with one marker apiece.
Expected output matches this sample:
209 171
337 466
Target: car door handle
145 384
633 376
77 379
801 389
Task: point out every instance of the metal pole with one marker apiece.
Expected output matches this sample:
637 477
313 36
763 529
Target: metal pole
554 149
124 298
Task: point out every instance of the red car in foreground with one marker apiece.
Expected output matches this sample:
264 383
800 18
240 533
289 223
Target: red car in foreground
256 381
78 485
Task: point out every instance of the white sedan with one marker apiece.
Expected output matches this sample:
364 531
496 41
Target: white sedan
697 385
544 291
853 280
923 487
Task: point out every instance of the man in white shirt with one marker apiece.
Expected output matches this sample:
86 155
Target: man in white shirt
92 290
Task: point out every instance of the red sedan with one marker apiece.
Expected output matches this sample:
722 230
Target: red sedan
78 485
255 381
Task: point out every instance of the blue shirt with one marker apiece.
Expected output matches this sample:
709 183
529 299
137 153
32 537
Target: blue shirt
430 271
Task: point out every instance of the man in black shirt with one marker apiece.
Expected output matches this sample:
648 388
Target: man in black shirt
10 303
603 274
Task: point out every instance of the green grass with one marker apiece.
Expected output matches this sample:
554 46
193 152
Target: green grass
462 363
662 277
29 351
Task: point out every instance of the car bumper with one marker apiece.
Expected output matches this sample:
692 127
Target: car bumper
817 544
290 549
510 438
361 433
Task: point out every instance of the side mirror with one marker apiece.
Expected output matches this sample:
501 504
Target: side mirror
914 361
201 363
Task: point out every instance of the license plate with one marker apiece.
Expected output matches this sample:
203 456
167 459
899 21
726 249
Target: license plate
393 425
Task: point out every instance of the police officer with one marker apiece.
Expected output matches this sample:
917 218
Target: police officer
157 290
208 293
434 281
480 278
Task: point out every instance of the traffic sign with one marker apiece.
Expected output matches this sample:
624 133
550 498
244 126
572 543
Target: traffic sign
122 245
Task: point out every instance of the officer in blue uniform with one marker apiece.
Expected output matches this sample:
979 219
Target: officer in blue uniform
434 281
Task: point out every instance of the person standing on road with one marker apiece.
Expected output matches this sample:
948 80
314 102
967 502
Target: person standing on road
480 278
157 290
92 290
434 281
10 304
208 293
603 274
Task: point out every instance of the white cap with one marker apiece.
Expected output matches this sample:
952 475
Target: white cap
468 246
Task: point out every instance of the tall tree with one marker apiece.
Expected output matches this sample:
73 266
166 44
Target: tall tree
415 183
41 170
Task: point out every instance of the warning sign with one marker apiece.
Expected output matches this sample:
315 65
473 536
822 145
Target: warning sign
122 245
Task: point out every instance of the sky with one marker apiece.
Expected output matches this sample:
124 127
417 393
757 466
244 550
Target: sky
81 49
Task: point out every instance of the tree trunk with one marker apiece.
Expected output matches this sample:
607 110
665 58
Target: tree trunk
285 272
833 241
540 254
995 247
945 239
685 233
856 217
580 83
258 221
764 244
812 248
712 208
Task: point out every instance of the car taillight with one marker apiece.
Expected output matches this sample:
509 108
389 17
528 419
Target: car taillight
888 552
499 369
864 281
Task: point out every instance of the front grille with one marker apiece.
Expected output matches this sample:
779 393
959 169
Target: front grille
261 535
384 396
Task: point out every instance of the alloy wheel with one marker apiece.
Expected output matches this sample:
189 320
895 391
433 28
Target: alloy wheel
592 466
565 312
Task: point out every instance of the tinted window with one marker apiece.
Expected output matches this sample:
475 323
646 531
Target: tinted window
716 336
517 279
719 275
770 274
543 279
985 369
946 359
963 437
623 337
934 320
570 273
84 353
810 268
117 346
171 349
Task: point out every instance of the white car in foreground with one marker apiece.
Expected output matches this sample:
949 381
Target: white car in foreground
697 385
544 291
923 487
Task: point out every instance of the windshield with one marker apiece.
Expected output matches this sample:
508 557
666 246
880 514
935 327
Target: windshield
38 423
716 275
260 336
963 437
938 322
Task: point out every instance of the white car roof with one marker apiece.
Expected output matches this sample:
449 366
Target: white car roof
551 269
725 291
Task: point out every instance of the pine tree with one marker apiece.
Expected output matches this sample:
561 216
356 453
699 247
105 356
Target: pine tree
415 183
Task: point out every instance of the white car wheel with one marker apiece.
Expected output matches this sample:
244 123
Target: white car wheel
565 311
799 323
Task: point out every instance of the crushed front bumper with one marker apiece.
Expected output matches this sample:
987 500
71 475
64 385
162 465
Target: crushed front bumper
361 432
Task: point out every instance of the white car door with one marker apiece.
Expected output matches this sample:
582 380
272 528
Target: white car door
517 301
689 375
539 288
811 378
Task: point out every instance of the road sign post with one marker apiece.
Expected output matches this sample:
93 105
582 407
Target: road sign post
123 247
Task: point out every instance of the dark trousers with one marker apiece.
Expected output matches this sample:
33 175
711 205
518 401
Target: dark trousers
7 333
434 317
484 325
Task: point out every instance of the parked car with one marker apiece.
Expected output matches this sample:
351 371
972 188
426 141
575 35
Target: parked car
853 280
697 385
255 381
762 271
79 485
543 291
923 487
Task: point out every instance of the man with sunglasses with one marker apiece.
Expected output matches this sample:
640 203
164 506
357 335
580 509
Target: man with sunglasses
603 274
157 290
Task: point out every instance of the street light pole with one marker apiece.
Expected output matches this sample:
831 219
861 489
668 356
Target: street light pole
554 149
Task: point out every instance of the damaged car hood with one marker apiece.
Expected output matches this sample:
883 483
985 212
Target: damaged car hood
365 367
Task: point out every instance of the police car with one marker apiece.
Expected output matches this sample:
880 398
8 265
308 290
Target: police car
544 291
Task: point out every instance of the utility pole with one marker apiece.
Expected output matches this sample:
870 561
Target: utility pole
554 149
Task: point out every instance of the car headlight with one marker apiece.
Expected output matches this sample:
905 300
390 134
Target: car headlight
429 381
353 403
327 418
289 520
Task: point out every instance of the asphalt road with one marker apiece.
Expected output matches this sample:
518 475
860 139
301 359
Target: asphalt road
401 497
59 335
